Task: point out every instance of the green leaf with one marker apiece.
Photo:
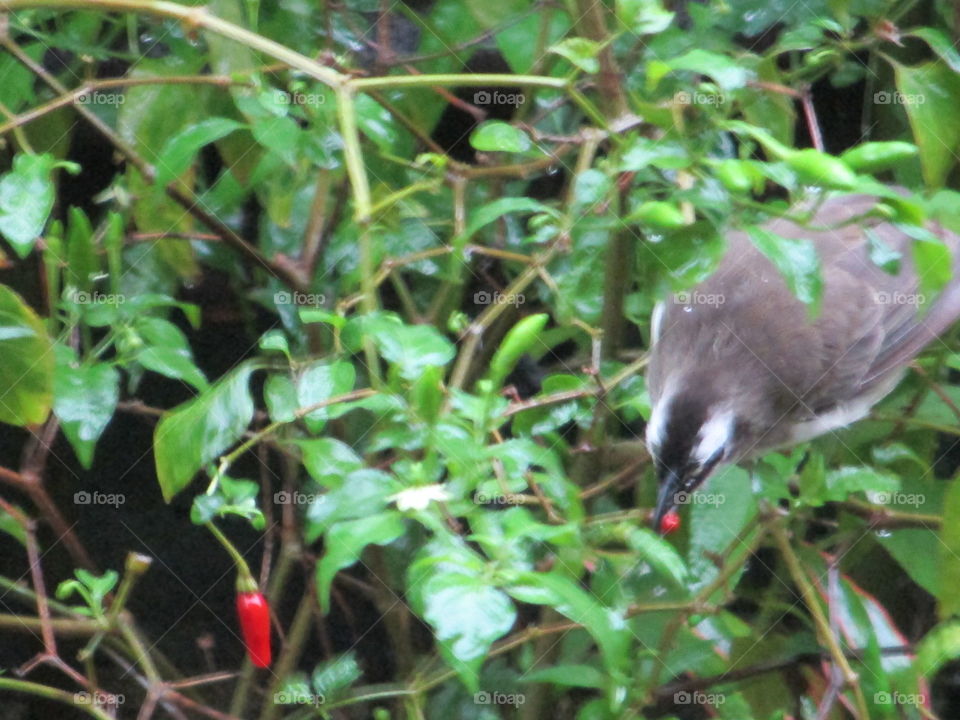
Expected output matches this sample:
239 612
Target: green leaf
720 511
466 611
280 394
918 553
179 151
168 351
644 152
797 261
276 340
643 17
322 382
412 348
940 646
948 599
606 626
585 676
345 541
336 674
498 136
82 261
174 364
844 481
232 497
727 72
659 553
84 399
328 460
92 588
881 254
26 363
690 253
355 495
932 260
930 93
198 431
581 52
12 528
486 214
26 199
940 44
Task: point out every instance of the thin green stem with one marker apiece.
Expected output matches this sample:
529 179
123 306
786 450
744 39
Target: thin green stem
44 691
458 80
822 623
243 569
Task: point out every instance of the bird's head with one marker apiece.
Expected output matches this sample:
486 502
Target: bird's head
688 438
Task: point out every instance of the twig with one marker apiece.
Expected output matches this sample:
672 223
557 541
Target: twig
809 595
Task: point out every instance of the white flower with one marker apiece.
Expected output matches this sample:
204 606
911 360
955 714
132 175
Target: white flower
417 498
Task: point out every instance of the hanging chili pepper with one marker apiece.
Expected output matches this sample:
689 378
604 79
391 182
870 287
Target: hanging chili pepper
253 610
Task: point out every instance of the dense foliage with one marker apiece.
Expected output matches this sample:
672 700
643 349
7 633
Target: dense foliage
378 280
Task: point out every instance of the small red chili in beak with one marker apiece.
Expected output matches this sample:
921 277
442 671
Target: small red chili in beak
670 522
254 613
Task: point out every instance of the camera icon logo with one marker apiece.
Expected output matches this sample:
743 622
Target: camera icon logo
81 497
481 97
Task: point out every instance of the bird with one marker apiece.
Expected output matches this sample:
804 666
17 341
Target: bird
739 366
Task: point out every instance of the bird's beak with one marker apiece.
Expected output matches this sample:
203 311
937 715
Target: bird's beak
670 485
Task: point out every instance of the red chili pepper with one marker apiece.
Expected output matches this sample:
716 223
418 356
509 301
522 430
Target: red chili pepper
670 522
254 613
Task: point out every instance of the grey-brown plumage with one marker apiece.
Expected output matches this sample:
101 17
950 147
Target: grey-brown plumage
738 367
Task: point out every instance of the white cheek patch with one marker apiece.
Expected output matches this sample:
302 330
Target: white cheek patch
656 322
716 434
657 426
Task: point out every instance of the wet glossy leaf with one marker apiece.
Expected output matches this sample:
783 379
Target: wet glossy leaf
797 261
346 540
26 363
197 432
26 199
496 136
84 400
182 148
